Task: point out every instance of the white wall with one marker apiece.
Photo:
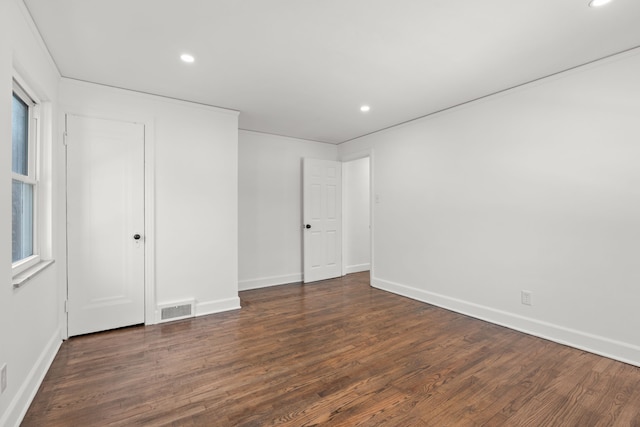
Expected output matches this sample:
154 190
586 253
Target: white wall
196 193
534 189
270 206
30 316
357 248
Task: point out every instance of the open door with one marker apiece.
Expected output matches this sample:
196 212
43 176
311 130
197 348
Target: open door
322 216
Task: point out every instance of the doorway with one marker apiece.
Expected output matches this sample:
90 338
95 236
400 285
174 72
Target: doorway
337 217
356 206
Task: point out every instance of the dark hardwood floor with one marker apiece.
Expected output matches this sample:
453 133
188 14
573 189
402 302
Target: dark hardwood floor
336 353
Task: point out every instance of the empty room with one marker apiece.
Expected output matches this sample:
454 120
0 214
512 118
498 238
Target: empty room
320 212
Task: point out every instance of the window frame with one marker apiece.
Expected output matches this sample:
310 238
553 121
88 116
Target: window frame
21 90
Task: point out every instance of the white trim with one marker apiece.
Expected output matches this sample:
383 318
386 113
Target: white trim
24 92
18 407
26 275
149 222
24 178
211 307
151 96
617 350
19 267
343 267
292 138
349 269
47 179
265 282
63 236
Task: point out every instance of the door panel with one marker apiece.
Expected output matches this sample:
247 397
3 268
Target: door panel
105 210
322 211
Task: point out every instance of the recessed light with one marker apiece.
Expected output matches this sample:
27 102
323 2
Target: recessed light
187 58
598 3
365 108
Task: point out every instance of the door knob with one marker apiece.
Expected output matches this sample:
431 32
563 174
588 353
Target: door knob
307 226
136 237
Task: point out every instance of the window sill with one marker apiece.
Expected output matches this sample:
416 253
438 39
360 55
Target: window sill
22 278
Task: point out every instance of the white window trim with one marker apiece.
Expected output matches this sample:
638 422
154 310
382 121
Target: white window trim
19 268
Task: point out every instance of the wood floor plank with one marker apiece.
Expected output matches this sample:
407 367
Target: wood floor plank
338 353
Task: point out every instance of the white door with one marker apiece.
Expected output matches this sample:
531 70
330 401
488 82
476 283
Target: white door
105 224
322 216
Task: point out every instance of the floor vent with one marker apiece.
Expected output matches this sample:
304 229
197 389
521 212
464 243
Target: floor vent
182 310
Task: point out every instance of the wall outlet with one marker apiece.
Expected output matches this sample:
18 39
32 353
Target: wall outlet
3 378
526 297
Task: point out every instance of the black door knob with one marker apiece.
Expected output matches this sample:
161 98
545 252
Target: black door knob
307 226
136 236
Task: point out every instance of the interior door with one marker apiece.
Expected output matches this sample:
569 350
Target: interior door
105 224
322 216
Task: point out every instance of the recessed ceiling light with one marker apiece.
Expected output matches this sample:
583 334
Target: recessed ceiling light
365 108
598 3
187 58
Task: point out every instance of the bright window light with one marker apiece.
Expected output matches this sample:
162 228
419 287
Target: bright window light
187 58
365 108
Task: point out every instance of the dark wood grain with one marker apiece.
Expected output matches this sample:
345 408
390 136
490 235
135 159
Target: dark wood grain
334 353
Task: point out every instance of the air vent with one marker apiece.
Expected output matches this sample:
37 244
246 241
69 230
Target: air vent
182 310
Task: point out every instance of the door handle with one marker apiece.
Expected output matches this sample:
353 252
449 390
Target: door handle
136 237
307 226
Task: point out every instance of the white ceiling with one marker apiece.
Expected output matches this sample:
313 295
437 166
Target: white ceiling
302 68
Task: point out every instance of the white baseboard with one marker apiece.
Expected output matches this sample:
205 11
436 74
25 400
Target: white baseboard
357 268
265 282
18 407
218 306
617 350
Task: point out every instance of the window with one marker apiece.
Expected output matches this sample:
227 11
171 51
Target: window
24 183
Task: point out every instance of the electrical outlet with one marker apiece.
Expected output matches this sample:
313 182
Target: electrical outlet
526 297
3 378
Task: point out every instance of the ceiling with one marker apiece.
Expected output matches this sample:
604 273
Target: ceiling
303 68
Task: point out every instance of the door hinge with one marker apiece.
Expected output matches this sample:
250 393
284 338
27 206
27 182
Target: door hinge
66 306
64 139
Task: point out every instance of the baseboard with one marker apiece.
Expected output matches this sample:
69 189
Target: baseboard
617 350
211 307
357 268
18 407
265 282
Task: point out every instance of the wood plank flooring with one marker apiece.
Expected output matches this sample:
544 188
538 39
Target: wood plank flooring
336 353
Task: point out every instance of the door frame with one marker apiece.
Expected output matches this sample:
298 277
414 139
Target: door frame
150 315
369 153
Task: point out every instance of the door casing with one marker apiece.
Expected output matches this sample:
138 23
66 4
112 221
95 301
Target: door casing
151 314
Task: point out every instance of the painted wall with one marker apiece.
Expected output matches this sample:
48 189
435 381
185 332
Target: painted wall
536 189
196 192
30 333
356 246
270 206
